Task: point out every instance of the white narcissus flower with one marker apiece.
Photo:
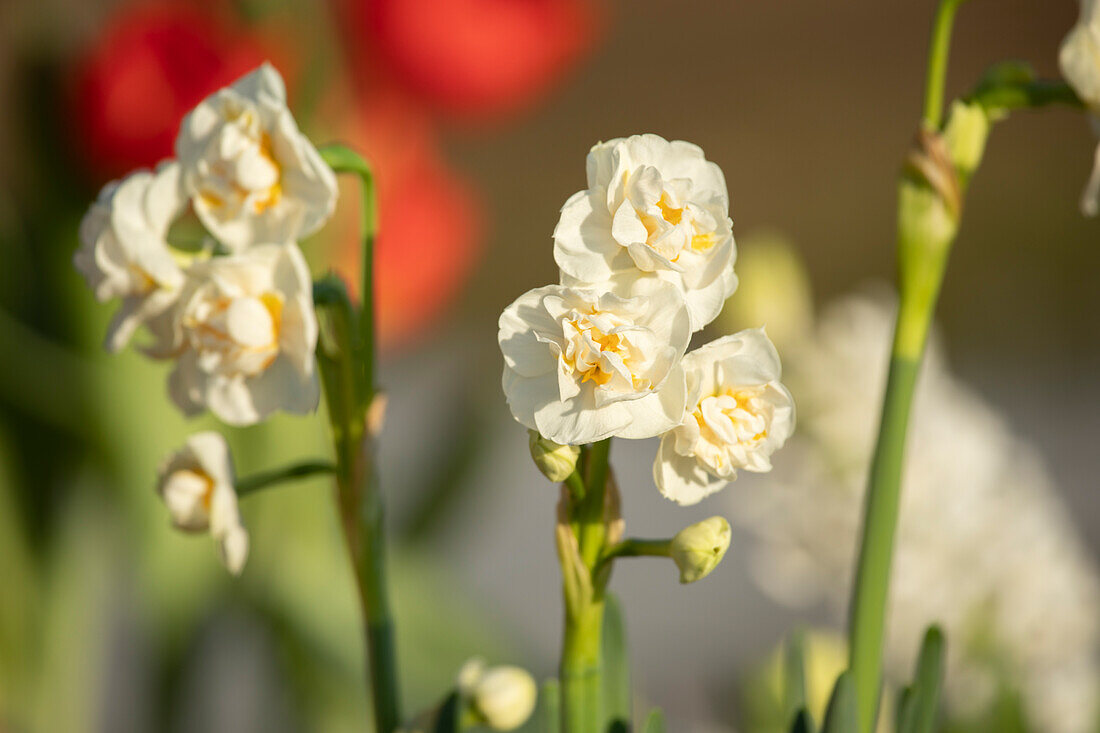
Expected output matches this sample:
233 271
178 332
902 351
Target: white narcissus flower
252 176
581 365
1079 59
197 485
653 209
245 333
124 250
737 415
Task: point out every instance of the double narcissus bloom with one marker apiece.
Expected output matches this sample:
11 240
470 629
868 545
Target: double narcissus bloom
197 485
653 210
251 175
738 414
244 336
241 327
1079 59
581 365
124 249
646 255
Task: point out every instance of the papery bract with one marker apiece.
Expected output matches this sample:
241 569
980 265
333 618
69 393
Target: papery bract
252 175
197 485
1079 59
124 251
581 365
146 69
653 209
244 336
737 414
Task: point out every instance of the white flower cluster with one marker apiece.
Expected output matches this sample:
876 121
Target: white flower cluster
237 317
646 254
240 326
984 546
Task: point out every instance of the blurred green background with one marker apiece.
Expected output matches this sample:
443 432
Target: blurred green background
109 621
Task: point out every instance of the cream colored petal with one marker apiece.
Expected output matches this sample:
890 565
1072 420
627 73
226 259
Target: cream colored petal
680 478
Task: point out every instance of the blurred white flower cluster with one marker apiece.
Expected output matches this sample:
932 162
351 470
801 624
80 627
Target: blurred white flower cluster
1078 59
240 325
984 545
646 254
236 312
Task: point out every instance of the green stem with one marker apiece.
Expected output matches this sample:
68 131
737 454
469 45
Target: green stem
635 547
575 485
345 160
580 656
1025 95
935 79
580 669
267 479
590 511
347 358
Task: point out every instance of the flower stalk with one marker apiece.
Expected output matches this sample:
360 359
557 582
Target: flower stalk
929 208
346 356
267 479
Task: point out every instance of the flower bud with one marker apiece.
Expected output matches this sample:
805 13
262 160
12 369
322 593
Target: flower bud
698 549
502 697
555 461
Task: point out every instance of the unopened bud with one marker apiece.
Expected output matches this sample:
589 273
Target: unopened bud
503 698
699 548
555 461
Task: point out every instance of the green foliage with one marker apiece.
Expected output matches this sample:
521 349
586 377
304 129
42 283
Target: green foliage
794 678
655 722
917 705
842 716
615 684
548 713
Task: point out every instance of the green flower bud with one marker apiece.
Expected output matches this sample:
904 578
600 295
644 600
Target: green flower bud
965 134
698 549
555 461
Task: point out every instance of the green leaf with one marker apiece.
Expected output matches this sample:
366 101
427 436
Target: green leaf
917 709
549 712
841 716
655 722
615 690
803 722
794 677
448 719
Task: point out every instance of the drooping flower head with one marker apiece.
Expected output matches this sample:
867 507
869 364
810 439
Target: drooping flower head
581 365
197 485
737 415
245 334
251 175
124 250
653 209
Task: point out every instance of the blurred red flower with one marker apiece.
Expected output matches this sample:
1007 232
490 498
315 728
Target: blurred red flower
471 58
148 66
430 219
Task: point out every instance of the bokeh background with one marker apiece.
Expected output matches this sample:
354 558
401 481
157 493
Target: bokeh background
477 115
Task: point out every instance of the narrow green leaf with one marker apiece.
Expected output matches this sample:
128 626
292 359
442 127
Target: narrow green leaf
803 723
549 713
447 721
841 716
615 690
794 677
655 722
905 717
929 677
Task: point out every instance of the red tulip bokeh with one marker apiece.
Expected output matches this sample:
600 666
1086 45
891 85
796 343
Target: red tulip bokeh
476 59
150 64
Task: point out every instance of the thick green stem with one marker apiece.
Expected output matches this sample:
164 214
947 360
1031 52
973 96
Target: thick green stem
267 479
347 359
936 77
580 656
580 669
